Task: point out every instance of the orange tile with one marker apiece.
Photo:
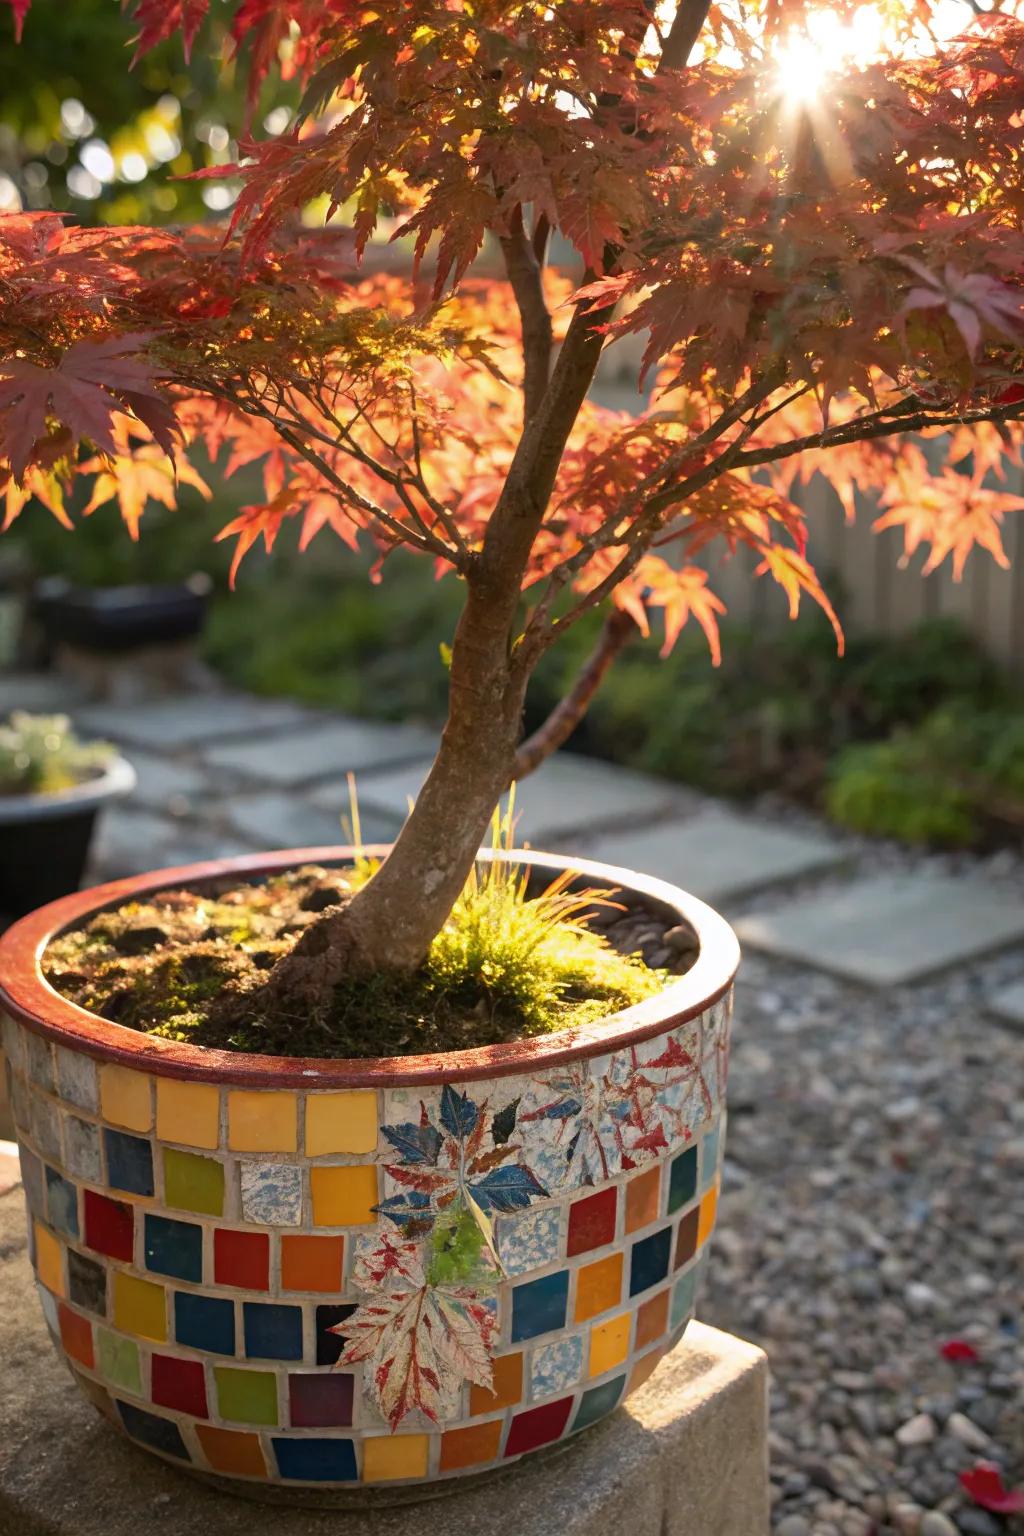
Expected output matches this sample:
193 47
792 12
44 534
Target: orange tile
609 1343
312 1263
188 1113
643 1369
652 1320
76 1336
344 1197
470 1446
708 1207
126 1097
341 1122
232 1450
387 1458
507 1387
262 1121
643 1199
49 1260
598 1287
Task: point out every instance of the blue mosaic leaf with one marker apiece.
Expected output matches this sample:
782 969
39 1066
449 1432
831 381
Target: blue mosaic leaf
402 1208
564 1109
510 1188
415 1143
458 1113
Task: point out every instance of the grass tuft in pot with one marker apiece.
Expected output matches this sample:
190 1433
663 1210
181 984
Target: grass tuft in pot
41 755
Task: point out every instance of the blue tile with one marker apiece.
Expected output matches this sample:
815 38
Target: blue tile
62 1203
710 1150
152 1430
316 1461
204 1322
684 1294
649 1261
539 1305
129 1163
598 1402
174 1248
682 1180
273 1331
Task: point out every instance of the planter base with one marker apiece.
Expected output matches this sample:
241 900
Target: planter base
686 1457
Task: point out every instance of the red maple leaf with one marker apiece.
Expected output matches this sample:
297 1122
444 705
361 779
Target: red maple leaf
984 1484
160 19
958 1349
20 9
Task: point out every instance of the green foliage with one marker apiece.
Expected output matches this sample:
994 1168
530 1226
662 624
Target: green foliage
40 754
456 1249
942 782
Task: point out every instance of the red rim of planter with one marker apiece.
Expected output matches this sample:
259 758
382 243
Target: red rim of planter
30 998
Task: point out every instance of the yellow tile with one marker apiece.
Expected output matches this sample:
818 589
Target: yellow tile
188 1113
262 1122
386 1457
344 1197
708 1206
341 1122
126 1098
49 1261
140 1307
609 1343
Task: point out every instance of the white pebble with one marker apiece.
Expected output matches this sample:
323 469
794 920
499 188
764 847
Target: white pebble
935 1523
967 1432
920 1430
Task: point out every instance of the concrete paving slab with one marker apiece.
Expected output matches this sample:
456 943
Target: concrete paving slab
687 1456
188 719
334 748
278 820
887 930
41 693
718 854
567 794
1008 1005
165 785
133 841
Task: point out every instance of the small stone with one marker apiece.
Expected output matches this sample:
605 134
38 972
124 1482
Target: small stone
977 1522
920 1297
793 1525
920 1430
966 1431
935 1523
907 1519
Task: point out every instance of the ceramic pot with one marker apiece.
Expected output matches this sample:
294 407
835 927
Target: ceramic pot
45 839
367 1275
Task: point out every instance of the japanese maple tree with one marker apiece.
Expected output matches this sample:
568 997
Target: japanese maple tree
826 261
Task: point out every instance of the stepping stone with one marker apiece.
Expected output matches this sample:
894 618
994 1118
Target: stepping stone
41 693
10 1167
1008 1005
276 820
718 855
166 785
334 748
567 794
134 841
888 930
188 719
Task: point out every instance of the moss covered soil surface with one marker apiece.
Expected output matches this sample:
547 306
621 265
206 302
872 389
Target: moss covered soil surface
176 963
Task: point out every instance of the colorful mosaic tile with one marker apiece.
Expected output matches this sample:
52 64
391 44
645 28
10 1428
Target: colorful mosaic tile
129 1163
508 1260
174 1248
556 1366
272 1194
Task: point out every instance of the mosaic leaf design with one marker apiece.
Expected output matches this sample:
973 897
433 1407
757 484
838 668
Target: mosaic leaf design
417 1341
450 1165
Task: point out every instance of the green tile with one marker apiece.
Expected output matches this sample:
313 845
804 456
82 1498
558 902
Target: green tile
247 1397
119 1361
193 1183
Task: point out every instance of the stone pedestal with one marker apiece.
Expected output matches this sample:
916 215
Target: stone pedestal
686 1457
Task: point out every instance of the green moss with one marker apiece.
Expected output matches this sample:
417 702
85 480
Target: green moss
507 964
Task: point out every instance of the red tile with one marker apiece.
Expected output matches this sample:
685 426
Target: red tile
242 1258
321 1400
180 1384
686 1238
537 1426
592 1221
76 1336
109 1226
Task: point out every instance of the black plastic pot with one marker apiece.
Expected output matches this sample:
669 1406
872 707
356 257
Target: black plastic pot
44 839
120 618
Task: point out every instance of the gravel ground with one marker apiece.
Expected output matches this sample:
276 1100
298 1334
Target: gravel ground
873 1209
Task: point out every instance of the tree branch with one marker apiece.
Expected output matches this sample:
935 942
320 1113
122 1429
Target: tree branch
682 35
569 711
524 273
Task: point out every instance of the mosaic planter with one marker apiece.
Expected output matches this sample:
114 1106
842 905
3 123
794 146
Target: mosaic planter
353 1275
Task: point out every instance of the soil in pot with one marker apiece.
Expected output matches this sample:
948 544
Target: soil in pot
509 964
